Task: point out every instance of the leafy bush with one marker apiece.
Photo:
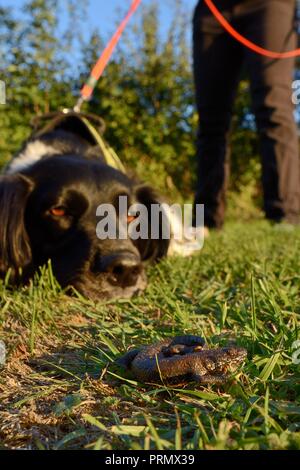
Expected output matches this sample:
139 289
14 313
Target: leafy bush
146 94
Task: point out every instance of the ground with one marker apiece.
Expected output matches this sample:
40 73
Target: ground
60 390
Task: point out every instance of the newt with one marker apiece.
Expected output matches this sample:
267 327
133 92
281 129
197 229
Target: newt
184 358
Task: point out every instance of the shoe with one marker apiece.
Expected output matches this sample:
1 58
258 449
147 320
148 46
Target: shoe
190 243
285 225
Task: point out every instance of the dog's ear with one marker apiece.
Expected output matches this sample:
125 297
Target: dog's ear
15 251
157 248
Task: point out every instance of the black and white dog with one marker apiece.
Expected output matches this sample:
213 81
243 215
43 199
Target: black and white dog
49 195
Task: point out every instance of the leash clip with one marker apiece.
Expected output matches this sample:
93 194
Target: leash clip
78 105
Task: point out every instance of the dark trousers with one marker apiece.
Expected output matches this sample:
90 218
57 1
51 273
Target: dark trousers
218 61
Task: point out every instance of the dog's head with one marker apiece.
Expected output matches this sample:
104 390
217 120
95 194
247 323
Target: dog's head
49 212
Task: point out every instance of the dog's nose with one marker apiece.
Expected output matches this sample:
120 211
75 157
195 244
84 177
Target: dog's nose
124 269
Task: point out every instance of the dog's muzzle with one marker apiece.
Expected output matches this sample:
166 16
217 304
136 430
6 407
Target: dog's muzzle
123 269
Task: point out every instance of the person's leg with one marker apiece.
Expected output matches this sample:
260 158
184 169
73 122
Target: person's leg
217 63
270 23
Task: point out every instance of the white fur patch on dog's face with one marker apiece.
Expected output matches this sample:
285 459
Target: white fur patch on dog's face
32 153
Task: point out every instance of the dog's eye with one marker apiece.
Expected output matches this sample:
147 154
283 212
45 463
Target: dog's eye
131 218
58 211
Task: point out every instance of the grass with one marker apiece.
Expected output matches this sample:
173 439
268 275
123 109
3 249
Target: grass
60 390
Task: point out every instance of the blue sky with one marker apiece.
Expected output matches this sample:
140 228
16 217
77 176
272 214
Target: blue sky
102 14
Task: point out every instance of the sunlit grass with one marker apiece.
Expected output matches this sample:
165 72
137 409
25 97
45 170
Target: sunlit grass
60 388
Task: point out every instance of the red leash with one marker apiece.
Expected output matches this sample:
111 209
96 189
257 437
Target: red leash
250 45
87 90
